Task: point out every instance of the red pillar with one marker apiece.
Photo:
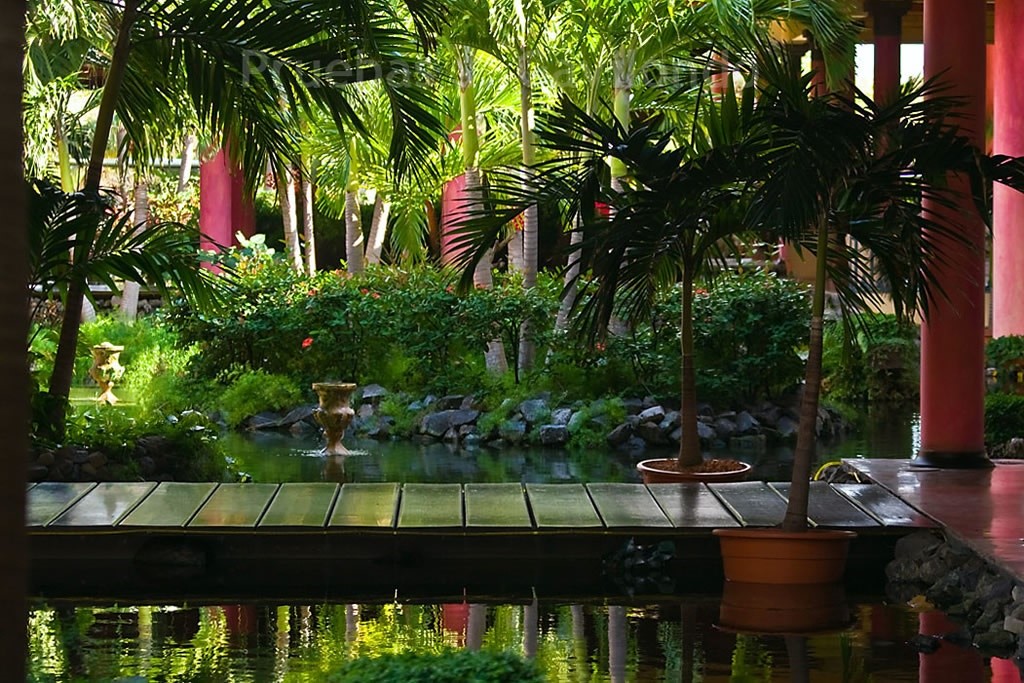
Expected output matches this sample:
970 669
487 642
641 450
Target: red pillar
1008 206
952 339
887 19
224 206
215 205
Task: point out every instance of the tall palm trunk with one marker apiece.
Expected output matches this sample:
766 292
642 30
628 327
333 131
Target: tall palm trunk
130 292
806 436
67 344
14 418
623 61
527 348
308 232
378 228
689 441
353 219
188 153
286 197
572 273
495 355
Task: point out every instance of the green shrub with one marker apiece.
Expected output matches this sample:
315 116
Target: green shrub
255 391
449 667
1006 356
138 337
115 431
876 359
1004 417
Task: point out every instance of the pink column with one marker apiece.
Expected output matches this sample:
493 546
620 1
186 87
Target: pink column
215 203
887 18
1008 208
224 206
453 198
952 339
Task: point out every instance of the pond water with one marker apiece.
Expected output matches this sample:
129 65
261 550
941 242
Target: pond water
570 643
276 457
600 639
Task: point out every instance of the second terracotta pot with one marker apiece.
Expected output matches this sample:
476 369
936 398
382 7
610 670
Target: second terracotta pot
661 471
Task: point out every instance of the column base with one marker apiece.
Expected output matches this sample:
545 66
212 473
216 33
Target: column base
953 460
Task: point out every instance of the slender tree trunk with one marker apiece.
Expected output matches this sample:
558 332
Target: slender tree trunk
188 153
378 228
572 273
286 196
495 355
68 182
14 417
353 217
308 232
527 348
689 441
67 344
623 61
140 217
353 232
806 436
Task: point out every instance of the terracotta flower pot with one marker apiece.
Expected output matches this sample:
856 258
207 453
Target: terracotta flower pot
783 609
662 471
784 557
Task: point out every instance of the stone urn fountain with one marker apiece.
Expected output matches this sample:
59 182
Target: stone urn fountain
106 369
334 413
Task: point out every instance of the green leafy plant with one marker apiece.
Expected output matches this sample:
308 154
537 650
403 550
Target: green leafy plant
874 359
1006 355
255 391
1004 417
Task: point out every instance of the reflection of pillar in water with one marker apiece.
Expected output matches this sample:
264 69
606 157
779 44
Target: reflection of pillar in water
617 642
799 666
950 663
530 629
1004 671
282 642
579 642
305 625
145 637
476 626
351 623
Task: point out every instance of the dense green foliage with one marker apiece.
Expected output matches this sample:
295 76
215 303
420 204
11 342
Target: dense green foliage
1006 356
412 331
748 331
450 667
1004 417
876 359
190 441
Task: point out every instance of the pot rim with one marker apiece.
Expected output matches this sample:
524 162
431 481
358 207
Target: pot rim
646 464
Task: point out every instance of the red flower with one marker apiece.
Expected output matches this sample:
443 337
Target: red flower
307 342
312 292
375 295
599 346
364 290
700 291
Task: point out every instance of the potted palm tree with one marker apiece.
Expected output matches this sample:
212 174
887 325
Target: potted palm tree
846 166
678 199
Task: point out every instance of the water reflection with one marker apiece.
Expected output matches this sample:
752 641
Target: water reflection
677 641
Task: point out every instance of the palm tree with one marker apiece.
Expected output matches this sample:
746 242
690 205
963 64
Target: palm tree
14 418
677 219
847 162
230 64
